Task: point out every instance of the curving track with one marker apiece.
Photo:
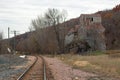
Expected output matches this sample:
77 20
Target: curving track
37 71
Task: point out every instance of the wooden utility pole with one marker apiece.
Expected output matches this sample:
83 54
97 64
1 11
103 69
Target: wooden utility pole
8 47
8 32
14 32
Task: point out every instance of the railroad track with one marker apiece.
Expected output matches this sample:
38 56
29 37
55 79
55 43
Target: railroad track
37 71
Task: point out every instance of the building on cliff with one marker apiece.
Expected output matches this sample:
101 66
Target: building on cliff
88 35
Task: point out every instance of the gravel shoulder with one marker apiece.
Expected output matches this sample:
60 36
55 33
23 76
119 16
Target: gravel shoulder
11 66
63 71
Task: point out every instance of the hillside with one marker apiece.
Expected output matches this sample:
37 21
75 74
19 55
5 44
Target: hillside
111 22
39 41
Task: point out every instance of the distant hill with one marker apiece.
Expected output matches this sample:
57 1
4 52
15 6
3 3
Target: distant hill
111 22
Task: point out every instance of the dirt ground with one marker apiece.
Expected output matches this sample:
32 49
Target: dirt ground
105 66
62 71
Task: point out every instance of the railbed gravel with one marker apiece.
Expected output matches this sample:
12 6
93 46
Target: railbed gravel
11 66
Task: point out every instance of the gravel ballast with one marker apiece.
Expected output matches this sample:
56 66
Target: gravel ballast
11 66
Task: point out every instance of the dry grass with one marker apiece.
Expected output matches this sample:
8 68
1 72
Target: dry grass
113 53
102 64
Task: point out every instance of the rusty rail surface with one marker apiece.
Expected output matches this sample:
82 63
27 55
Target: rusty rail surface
44 68
21 76
28 69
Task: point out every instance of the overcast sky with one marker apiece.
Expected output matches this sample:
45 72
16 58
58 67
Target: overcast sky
17 14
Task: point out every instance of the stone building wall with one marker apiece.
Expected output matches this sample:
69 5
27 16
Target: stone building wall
92 31
89 30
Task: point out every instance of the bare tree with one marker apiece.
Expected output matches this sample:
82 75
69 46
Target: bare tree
30 28
64 15
40 22
52 17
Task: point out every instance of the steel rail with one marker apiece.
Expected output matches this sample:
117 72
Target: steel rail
44 69
22 75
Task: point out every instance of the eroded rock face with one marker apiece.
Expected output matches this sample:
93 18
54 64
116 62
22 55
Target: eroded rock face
89 30
93 31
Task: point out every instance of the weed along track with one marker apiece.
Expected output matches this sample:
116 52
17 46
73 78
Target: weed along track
37 71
